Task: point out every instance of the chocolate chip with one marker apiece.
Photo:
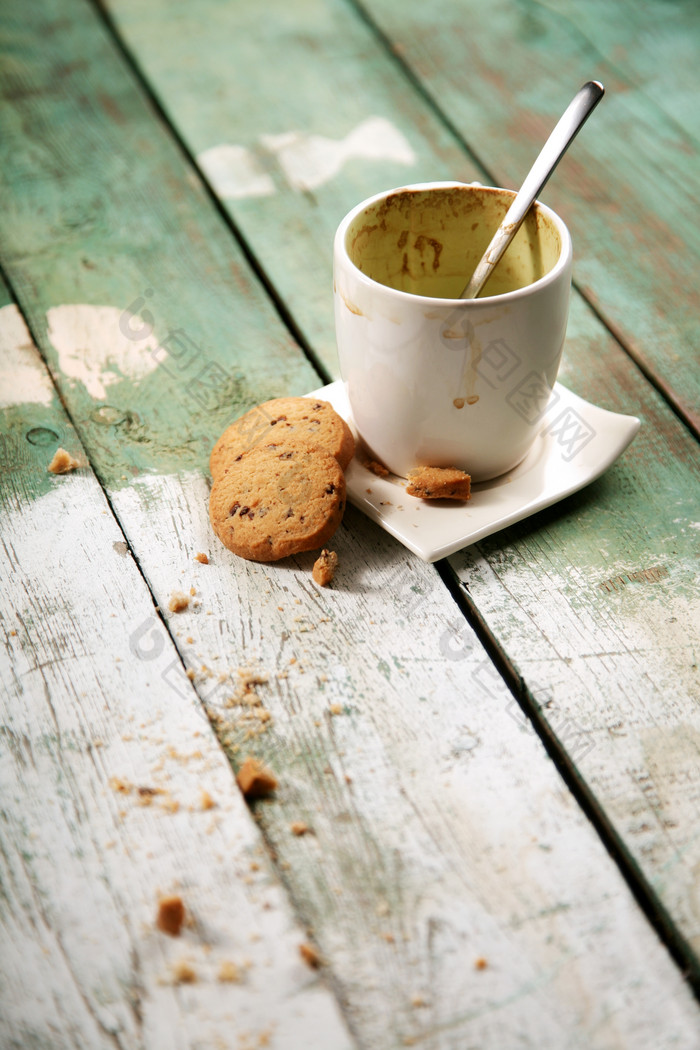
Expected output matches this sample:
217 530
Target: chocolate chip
233 510
330 489
286 455
290 513
317 406
244 510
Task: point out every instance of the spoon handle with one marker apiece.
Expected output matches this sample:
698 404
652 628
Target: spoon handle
569 124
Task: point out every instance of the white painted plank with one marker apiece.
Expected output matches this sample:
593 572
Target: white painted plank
88 730
596 605
441 833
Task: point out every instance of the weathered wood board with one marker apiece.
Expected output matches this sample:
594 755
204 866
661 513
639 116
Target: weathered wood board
441 845
595 605
630 181
292 160
623 533
115 790
93 178
441 835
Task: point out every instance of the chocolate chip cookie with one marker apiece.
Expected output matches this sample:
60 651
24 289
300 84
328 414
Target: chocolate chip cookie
303 420
275 500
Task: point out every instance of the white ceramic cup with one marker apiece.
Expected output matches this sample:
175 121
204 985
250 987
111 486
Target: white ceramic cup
434 380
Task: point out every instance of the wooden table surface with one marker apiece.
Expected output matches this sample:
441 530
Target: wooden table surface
497 756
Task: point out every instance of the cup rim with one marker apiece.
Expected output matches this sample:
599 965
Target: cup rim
488 300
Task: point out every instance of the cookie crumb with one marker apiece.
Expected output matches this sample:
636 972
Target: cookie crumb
324 567
183 973
171 915
63 462
439 483
377 468
298 827
481 963
254 780
201 557
310 955
228 972
207 802
178 601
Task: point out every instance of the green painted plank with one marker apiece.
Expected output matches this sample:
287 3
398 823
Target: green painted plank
503 72
320 84
5 296
184 312
102 772
594 607
411 865
637 272
660 461
653 47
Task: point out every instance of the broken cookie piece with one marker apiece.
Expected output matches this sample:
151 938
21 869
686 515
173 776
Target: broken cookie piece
254 780
178 601
310 955
439 483
377 468
171 915
324 567
63 462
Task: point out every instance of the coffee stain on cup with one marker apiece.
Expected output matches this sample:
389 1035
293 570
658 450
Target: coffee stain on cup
422 242
470 374
352 307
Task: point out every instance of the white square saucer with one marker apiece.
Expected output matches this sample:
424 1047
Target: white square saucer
576 443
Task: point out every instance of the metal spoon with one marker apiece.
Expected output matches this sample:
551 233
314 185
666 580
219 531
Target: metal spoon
570 123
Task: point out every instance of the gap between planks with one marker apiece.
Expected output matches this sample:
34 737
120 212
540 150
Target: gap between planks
297 905
284 313
647 370
5 277
678 947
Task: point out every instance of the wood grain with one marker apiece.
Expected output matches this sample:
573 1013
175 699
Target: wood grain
446 864
634 252
325 76
127 214
439 834
595 606
502 74
115 792
633 517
